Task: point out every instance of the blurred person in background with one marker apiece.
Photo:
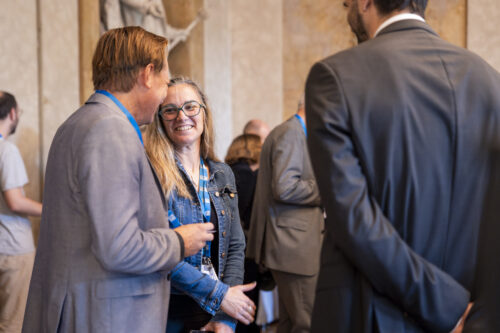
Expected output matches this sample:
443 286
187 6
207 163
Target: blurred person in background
243 157
257 127
287 221
17 249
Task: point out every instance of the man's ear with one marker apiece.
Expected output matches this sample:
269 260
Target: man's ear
364 5
146 75
13 114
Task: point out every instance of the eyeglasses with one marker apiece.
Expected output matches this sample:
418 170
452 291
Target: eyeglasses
170 111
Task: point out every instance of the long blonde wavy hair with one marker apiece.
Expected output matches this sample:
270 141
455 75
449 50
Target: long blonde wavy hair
161 151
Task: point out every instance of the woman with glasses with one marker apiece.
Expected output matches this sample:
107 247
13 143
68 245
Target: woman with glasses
206 290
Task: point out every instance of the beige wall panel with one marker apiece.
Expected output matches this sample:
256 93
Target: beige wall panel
257 61
312 30
217 71
60 74
483 36
19 76
449 19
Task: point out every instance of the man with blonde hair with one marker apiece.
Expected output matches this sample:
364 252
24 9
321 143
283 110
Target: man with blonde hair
105 247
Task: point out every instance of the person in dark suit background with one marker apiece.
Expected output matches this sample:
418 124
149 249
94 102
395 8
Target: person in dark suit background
400 133
286 225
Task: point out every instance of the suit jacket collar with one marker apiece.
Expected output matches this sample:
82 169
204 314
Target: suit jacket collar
406 25
103 99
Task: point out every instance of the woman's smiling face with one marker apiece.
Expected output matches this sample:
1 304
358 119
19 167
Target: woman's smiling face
184 130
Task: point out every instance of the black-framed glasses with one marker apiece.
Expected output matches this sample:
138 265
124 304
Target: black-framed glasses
171 111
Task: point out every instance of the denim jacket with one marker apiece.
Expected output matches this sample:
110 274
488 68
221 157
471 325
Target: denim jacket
186 276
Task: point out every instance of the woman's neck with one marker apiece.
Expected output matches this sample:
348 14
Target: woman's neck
189 156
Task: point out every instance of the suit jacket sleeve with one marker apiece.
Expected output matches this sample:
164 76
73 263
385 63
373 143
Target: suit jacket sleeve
288 160
356 221
110 171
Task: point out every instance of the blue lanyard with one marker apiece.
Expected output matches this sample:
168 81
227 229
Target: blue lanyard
124 110
1 136
302 123
204 198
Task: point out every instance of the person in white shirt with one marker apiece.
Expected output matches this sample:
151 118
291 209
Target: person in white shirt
17 249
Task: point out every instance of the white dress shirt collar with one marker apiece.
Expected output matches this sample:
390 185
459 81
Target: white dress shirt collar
396 18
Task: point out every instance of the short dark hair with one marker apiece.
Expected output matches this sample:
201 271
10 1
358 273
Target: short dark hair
388 6
7 102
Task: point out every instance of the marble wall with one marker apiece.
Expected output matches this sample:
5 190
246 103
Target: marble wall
217 71
39 65
239 63
20 75
313 30
482 30
257 61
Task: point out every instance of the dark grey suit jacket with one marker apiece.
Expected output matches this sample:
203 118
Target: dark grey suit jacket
105 247
400 135
287 220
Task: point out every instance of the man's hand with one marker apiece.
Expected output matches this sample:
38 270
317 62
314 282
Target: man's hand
217 327
195 236
238 305
460 326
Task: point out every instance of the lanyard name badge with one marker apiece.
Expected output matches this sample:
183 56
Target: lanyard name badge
124 110
206 263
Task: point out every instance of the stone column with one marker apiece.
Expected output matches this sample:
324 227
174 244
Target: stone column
89 33
217 71
257 61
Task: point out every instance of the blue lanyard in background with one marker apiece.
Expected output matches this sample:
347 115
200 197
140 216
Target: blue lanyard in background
124 110
302 123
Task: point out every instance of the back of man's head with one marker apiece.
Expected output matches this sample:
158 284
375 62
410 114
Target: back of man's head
7 102
257 127
121 53
388 6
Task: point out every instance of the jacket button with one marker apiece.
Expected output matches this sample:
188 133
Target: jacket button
231 195
223 255
223 212
221 275
217 194
223 234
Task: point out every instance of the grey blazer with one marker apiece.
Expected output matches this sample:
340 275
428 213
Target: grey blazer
105 247
287 220
401 134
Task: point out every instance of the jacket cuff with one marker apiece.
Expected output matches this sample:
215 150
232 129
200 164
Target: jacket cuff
181 243
215 299
222 317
